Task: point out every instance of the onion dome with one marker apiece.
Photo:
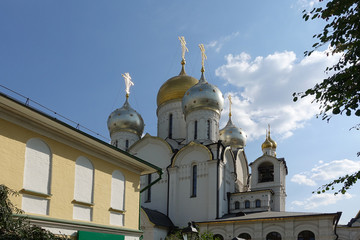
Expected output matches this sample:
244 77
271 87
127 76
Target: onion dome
203 95
175 87
274 144
232 136
125 119
266 144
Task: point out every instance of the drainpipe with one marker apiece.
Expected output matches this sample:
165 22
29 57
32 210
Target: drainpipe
336 223
159 172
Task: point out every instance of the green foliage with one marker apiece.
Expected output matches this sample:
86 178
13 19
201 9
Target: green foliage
18 228
339 93
346 181
176 235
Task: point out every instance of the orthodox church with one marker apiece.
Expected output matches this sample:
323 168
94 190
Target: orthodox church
205 174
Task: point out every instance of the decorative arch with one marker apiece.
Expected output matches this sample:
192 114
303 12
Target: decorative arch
188 149
84 180
306 227
37 172
37 177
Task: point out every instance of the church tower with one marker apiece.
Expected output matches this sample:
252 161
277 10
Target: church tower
269 172
125 124
202 105
171 122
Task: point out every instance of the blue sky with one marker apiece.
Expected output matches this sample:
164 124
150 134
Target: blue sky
69 56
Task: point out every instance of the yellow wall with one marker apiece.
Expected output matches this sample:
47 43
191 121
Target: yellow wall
13 140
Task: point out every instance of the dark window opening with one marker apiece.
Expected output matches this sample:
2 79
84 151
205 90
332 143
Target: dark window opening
170 125
237 205
306 235
245 236
195 129
148 193
257 203
194 181
266 172
208 129
247 204
126 144
273 236
218 237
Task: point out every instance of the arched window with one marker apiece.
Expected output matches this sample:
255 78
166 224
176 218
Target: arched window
237 205
273 236
257 203
84 187
208 129
218 237
117 198
245 236
195 129
37 177
306 235
194 181
266 172
170 125
247 204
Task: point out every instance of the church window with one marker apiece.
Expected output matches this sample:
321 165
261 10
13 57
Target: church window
117 198
237 205
266 172
273 236
84 188
257 203
195 129
116 143
148 191
245 236
37 177
194 181
247 204
126 145
208 129
218 237
170 125
306 235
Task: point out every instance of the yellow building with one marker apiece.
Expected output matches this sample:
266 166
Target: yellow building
69 181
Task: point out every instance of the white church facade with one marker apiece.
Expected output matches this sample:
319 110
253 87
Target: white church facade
205 172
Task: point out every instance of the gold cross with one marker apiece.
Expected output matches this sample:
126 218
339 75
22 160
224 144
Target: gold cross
128 83
203 57
183 47
230 102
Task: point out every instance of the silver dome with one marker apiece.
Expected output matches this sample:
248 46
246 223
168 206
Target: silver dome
203 95
125 119
232 136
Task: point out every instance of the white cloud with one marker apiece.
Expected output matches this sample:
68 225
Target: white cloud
218 44
263 89
303 180
326 172
324 199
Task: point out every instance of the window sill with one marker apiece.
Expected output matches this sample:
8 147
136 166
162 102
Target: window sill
116 210
34 193
82 203
193 196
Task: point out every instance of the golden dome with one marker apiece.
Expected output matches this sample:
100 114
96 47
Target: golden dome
175 87
266 144
274 144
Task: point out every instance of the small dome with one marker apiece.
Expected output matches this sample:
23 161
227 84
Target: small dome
125 119
232 136
203 95
274 144
175 87
266 144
